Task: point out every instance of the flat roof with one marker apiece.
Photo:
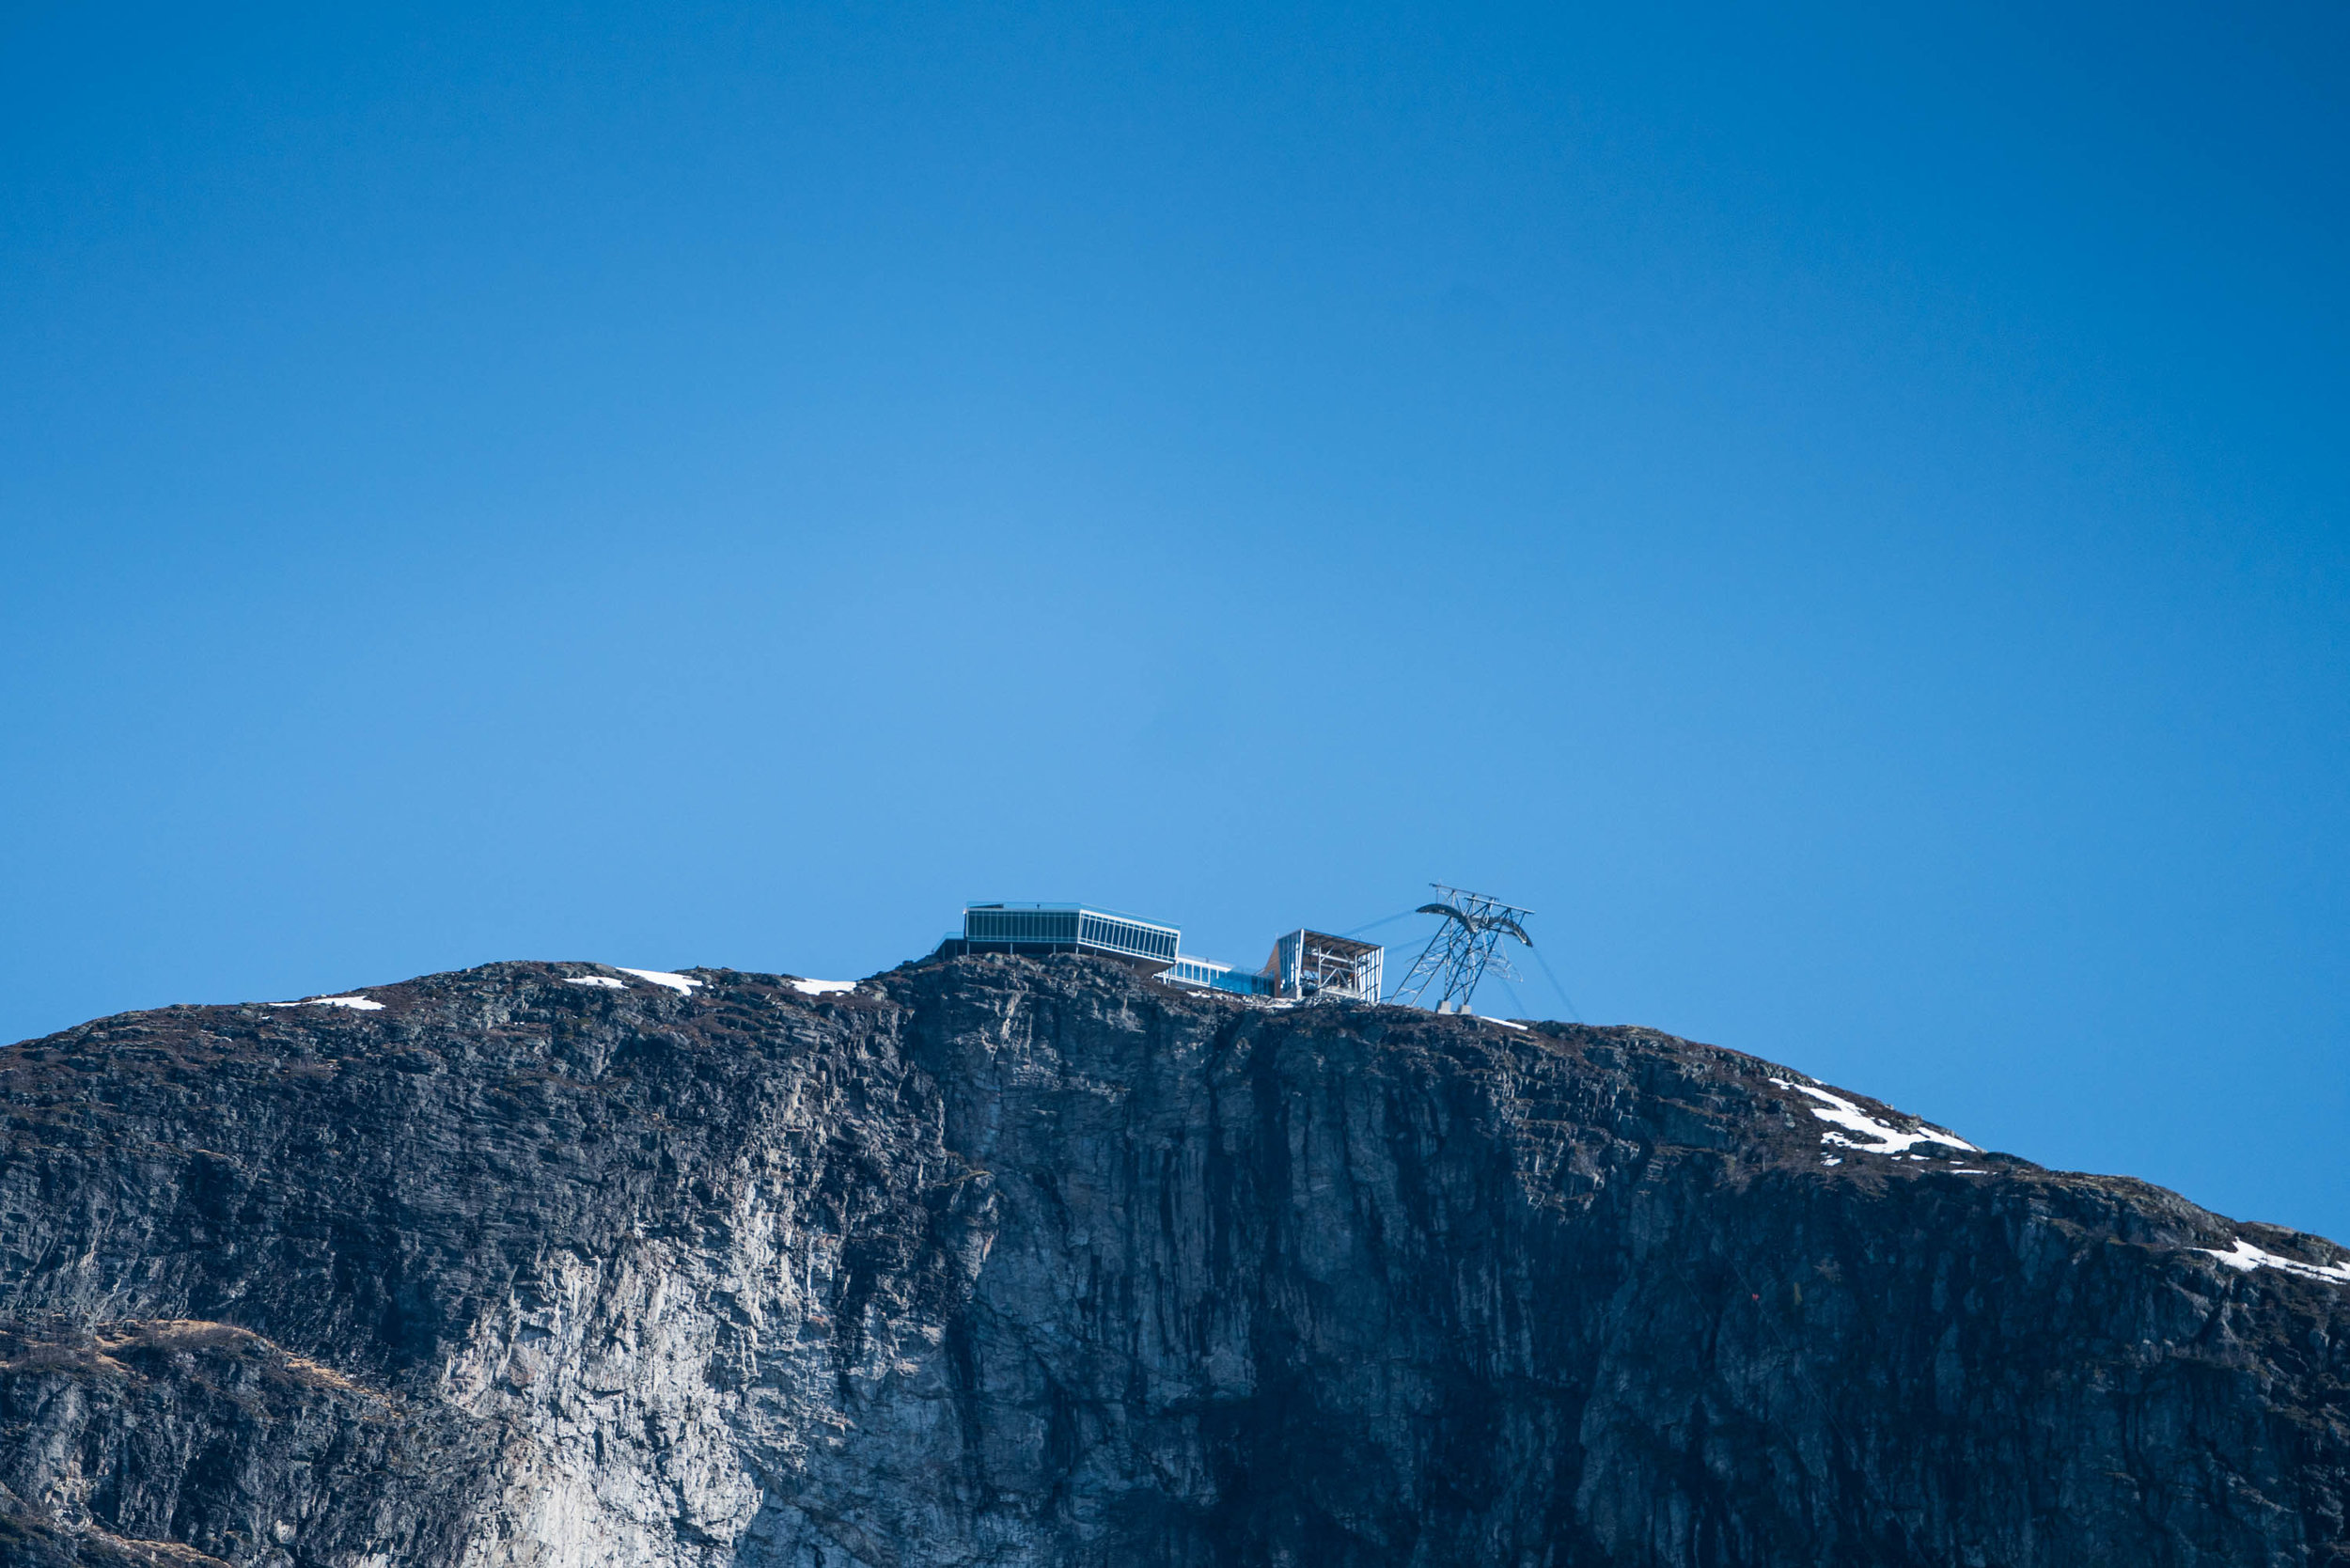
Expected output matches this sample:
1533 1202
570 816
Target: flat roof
1344 947
1080 909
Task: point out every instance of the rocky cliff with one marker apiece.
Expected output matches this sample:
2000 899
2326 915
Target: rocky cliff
1012 1262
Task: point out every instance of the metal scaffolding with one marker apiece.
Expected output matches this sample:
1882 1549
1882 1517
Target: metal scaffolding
1316 967
1463 950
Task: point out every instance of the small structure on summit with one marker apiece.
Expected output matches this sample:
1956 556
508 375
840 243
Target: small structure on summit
1316 967
1304 967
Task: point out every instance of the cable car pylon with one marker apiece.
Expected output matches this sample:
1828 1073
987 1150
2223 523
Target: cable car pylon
1465 949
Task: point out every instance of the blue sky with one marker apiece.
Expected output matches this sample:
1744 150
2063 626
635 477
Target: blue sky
1842 512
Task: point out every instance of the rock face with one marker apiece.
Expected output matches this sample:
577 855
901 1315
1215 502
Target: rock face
1014 1262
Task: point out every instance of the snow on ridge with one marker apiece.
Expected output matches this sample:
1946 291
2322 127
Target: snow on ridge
2244 1258
820 988
682 984
607 981
356 1004
1888 1138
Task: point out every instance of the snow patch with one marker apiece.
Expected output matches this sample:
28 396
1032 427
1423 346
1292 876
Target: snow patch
356 1004
682 984
820 988
1885 1137
2244 1258
607 981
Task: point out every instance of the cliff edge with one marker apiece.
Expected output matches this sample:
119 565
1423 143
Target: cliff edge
1006 1262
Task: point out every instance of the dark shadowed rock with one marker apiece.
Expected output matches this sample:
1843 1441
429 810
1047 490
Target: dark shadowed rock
1009 1263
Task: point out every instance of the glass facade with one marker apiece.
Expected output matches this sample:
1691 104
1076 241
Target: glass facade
1211 976
1069 926
1131 937
1002 924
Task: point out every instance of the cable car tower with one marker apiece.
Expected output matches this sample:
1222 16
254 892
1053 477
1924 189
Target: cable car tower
1464 949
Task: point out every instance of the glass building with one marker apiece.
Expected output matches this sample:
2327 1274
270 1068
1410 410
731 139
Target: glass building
1038 929
1304 967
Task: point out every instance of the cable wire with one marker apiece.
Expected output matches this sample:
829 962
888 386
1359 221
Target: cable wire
1524 1011
1387 920
1573 1012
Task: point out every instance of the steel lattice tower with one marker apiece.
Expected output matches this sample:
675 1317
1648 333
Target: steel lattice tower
1464 949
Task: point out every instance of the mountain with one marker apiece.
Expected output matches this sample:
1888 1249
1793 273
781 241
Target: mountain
1006 1262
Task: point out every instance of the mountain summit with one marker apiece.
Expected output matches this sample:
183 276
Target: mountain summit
1005 1262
